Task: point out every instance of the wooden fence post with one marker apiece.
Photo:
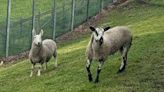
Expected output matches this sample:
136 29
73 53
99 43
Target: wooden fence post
101 5
8 27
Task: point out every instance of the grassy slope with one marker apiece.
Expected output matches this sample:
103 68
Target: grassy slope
145 71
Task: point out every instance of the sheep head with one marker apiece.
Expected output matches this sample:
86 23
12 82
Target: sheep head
98 34
37 38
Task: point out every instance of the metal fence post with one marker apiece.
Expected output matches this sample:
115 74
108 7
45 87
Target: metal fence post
101 5
72 15
8 27
33 14
64 14
21 25
88 3
54 20
33 19
39 26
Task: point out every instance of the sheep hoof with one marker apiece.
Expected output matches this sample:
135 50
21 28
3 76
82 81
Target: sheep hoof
30 75
120 71
90 78
96 81
38 73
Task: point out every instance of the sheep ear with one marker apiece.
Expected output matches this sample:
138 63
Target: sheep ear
92 28
33 32
107 28
41 32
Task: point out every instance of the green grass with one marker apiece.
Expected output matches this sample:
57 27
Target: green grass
144 73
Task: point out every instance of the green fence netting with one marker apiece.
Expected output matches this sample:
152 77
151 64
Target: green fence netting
44 10
63 17
3 13
20 27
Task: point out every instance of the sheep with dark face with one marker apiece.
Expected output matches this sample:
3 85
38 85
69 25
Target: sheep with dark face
105 42
41 51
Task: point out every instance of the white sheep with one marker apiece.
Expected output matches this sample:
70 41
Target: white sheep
41 51
105 42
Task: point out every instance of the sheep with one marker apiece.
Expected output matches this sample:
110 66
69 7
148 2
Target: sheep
41 51
105 42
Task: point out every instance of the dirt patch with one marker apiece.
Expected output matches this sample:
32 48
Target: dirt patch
77 33
12 59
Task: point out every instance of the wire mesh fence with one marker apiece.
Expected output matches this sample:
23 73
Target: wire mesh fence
3 13
55 17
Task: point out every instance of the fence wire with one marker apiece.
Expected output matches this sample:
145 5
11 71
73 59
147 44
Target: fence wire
3 13
52 20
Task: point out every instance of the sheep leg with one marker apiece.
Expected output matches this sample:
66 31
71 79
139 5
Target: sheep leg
45 65
45 61
55 56
42 66
101 63
88 64
56 63
39 70
124 60
32 69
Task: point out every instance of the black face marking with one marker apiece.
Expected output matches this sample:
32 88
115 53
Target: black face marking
101 41
96 33
105 29
92 28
